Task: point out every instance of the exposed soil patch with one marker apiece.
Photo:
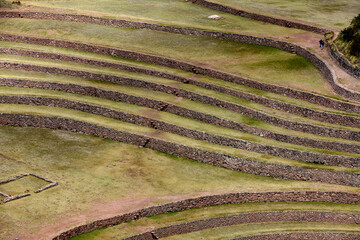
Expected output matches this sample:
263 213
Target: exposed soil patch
100 210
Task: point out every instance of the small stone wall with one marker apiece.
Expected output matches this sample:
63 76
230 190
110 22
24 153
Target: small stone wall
213 200
304 236
9 198
161 106
260 17
283 106
342 61
306 96
335 160
296 126
257 217
212 158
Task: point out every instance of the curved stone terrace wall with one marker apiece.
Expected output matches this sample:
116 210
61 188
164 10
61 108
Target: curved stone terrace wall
297 126
340 59
213 200
275 104
256 217
306 96
260 17
212 158
334 160
161 106
304 236
290 47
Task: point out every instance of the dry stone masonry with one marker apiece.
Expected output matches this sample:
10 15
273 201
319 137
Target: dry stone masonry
275 104
161 106
9 198
297 126
326 159
258 217
213 200
212 158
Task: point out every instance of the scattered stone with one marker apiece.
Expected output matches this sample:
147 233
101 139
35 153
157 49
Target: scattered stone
215 17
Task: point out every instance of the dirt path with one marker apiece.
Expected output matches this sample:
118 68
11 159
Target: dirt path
102 211
311 41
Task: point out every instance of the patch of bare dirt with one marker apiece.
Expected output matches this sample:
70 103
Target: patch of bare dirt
100 210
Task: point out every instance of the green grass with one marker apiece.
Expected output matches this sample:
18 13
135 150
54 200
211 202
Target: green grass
172 83
177 13
136 227
243 230
159 115
101 178
219 112
92 171
150 132
336 14
201 78
258 62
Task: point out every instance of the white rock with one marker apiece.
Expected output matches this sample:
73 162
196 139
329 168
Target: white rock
216 17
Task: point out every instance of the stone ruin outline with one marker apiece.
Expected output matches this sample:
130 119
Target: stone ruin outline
9 198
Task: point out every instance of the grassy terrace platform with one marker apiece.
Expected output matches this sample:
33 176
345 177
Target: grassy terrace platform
275 66
100 178
136 227
336 14
171 83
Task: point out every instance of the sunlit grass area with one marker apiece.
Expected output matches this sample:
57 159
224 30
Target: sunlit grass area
92 171
99 178
145 224
336 14
258 62
177 13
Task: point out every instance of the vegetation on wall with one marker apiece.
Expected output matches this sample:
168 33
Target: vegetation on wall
349 40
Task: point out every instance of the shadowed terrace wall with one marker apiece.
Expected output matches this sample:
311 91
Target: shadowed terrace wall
200 33
307 196
335 160
161 106
212 158
257 217
297 126
290 108
260 17
304 236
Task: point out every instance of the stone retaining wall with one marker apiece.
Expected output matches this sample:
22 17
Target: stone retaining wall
308 196
257 217
342 61
260 17
335 160
212 158
161 106
297 126
290 108
306 96
304 236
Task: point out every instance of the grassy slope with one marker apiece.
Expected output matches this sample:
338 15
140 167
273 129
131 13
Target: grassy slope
189 87
150 132
257 62
177 13
190 75
136 227
222 113
162 116
336 14
267 228
92 170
